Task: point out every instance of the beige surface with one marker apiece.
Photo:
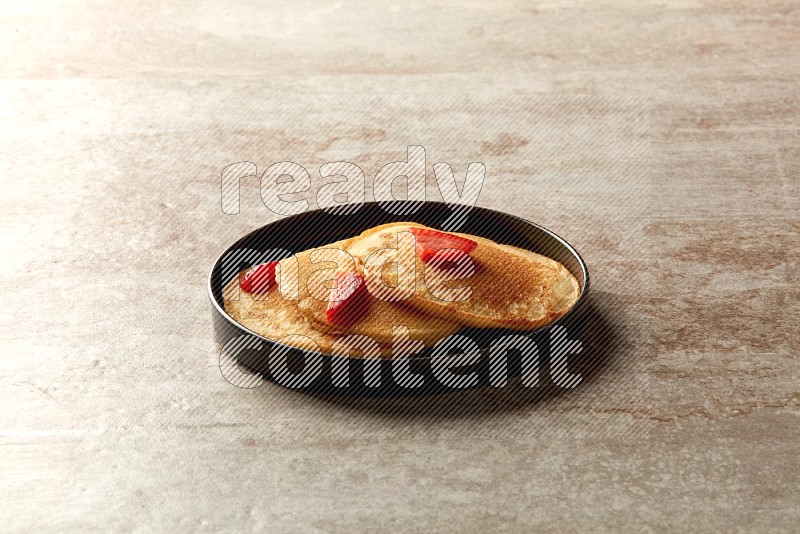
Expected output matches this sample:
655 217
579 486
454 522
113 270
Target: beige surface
660 138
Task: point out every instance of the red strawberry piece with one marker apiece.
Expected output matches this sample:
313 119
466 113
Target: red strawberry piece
429 242
259 278
348 298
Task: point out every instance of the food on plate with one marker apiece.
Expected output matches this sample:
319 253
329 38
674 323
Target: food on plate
351 296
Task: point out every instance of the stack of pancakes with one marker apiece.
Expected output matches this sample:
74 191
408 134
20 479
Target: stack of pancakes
507 287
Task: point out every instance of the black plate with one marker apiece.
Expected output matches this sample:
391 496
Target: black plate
313 371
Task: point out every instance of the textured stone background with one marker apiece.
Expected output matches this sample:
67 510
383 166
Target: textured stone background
660 138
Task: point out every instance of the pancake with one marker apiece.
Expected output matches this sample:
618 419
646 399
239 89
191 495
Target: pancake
318 266
510 287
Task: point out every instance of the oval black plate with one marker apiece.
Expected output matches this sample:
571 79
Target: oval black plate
425 372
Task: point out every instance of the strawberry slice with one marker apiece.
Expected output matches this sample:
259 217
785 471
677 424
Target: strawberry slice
259 278
348 298
429 242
